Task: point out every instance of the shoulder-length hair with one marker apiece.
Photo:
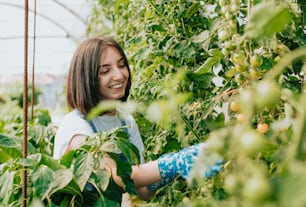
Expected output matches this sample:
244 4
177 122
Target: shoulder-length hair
82 83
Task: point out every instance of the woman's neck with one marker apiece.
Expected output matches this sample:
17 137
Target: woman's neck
111 112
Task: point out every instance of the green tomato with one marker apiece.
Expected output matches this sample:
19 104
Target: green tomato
228 15
225 51
241 68
257 188
235 8
229 44
223 2
256 61
251 142
231 183
223 35
238 57
267 94
254 73
240 78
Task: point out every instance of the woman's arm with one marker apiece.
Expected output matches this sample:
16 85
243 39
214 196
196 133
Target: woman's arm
142 175
141 181
75 142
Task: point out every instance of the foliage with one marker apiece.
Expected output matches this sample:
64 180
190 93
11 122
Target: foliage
200 67
64 183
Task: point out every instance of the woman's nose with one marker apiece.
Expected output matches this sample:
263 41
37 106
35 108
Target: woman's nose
117 74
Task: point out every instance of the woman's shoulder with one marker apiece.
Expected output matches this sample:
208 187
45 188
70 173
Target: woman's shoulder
73 117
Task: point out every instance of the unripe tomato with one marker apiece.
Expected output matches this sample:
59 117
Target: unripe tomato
262 127
225 51
241 68
257 188
254 73
251 142
256 61
235 8
232 25
228 15
267 94
185 200
223 2
239 78
225 9
231 183
223 35
238 57
229 44
240 117
246 96
277 58
234 106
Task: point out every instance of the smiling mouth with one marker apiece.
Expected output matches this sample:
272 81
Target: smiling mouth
115 86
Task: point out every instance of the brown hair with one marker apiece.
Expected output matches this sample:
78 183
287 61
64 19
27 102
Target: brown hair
82 83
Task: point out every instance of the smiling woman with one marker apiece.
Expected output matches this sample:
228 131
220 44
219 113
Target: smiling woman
99 71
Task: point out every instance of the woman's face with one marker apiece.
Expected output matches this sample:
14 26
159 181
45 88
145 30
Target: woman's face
113 74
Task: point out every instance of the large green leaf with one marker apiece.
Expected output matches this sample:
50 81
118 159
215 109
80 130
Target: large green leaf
207 66
42 179
129 150
101 178
82 170
267 18
62 178
6 186
124 171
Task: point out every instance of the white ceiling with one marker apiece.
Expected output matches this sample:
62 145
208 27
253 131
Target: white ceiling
60 24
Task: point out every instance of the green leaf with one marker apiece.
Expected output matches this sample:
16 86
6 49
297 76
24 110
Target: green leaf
6 189
210 62
67 158
42 179
62 178
267 19
192 10
101 178
129 150
124 171
82 170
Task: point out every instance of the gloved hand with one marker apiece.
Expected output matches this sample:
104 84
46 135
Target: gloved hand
181 163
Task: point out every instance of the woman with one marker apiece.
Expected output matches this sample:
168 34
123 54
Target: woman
99 71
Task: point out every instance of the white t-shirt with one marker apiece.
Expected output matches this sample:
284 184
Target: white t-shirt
73 124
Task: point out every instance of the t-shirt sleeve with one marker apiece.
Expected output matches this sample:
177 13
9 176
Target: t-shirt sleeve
69 126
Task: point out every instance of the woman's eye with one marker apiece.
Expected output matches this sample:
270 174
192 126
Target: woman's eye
122 66
103 71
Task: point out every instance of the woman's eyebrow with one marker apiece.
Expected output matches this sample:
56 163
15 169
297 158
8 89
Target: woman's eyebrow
120 59
105 65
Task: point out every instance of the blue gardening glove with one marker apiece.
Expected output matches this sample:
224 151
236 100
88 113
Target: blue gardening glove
181 163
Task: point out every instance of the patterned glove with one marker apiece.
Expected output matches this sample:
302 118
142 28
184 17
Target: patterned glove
181 163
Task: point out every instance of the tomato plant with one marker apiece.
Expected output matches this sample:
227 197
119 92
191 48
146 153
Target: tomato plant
250 48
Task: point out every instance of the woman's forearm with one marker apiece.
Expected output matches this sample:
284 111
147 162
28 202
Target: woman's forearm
145 174
142 175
